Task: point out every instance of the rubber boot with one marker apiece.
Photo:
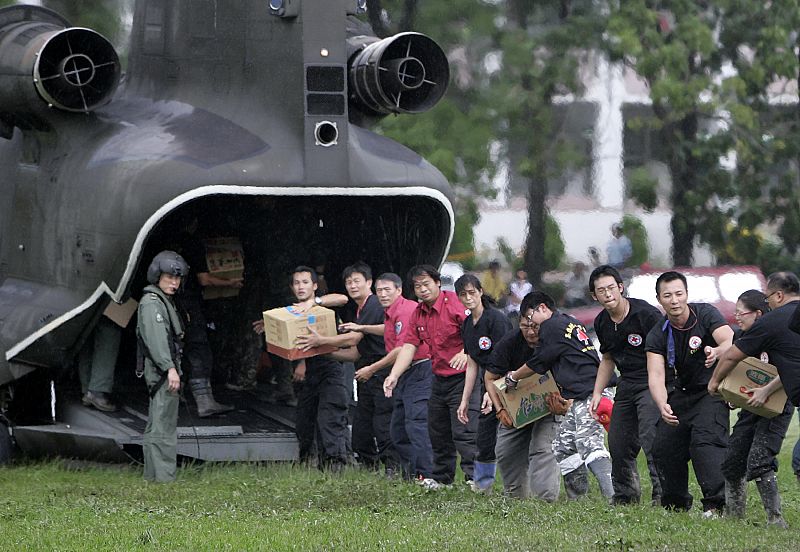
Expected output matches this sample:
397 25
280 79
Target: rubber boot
576 483
601 468
204 397
484 476
771 499
735 497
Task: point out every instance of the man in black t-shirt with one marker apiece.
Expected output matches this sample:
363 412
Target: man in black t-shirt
684 346
524 455
566 350
622 327
363 328
770 334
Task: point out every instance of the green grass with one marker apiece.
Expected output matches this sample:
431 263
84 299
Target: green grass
53 506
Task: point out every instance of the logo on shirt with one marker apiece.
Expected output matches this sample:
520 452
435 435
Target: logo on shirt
484 343
635 339
580 334
764 357
159 318
695 342
398 327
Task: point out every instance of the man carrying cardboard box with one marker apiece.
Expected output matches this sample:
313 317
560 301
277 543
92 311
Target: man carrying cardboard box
524 455
363 329
322 399
567 352
769 334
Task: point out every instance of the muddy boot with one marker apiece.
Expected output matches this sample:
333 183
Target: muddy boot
735 497
601 468
771 499
576 483
204 397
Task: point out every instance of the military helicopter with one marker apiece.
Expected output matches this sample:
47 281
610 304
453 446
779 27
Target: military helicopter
251 114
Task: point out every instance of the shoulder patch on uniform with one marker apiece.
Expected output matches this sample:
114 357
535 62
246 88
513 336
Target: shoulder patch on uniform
159 318
764 357
484 343
398 327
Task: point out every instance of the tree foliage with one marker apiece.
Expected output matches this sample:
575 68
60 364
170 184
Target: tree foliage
714 70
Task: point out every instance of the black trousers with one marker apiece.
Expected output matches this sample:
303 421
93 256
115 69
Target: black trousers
197 360
322 415
702 437
371 424
449 436
633 428
754 444
487 428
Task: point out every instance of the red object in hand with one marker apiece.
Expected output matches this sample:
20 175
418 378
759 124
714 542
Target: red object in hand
604 411
744 391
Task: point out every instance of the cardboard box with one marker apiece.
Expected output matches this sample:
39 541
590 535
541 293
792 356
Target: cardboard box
121 313
750 373
225 259
526 403
283 325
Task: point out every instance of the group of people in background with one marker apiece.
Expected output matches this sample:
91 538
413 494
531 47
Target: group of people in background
426 371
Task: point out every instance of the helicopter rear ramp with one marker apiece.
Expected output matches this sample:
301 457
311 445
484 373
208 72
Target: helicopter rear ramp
255 430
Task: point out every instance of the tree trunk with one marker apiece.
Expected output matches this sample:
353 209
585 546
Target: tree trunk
537 211
684 171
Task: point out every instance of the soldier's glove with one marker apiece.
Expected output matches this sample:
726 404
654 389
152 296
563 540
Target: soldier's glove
505 418
557 404
511 383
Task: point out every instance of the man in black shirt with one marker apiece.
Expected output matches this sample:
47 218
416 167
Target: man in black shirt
770 334
683 347
621 327
363 328
566 350
322 396
524 455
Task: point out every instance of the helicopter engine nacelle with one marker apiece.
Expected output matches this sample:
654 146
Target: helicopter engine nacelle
43 62
404 73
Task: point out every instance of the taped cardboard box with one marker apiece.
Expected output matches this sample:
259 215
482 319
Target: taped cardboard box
526 403
284 324
748 374
225 259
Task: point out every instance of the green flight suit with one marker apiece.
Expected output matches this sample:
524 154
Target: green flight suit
160 329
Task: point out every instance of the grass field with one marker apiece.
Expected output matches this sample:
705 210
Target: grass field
65 506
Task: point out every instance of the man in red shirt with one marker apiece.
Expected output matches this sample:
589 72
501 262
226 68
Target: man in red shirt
436 322
409 425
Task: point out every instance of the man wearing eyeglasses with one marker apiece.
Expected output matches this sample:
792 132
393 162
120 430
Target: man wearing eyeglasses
567 352
681 350
524 455
771 334
621 328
